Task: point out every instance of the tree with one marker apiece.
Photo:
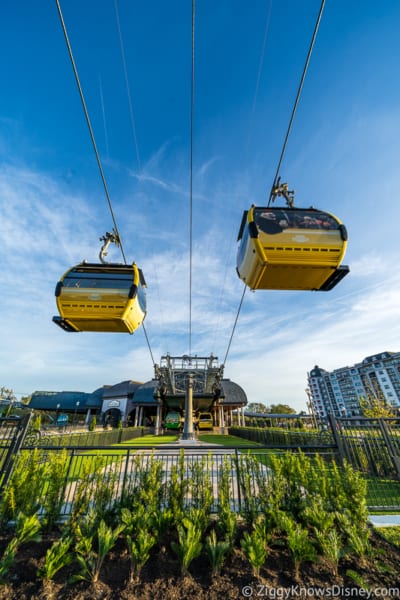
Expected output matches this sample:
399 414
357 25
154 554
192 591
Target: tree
6 394
257 407
281 409
376 408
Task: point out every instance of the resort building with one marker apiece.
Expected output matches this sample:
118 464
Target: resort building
339 392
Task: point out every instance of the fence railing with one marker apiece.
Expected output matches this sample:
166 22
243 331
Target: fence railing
371 446
113 476
12 435
96 439
281 438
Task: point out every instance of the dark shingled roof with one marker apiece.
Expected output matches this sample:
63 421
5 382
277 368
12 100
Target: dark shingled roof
140 393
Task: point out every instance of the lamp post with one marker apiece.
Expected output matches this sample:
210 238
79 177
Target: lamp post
57 411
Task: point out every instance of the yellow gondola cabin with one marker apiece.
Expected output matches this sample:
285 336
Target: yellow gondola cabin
101 297
291 249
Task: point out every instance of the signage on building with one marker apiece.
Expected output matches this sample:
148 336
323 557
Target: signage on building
113 404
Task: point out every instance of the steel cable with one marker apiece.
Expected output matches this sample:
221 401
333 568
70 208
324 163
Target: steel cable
191 183
95 148
284 146
297 99
78 83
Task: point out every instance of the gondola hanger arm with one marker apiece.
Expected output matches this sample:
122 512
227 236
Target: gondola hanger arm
281 189
108 238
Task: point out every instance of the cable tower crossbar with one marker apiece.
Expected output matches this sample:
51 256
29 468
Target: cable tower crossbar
296 101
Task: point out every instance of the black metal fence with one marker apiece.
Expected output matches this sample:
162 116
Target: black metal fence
371 446
111 476
274 437
94 439
12 434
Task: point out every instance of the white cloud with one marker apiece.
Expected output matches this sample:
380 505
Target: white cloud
279 337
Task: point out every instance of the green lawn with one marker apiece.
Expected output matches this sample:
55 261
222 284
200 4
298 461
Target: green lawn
225 440
391 534
383 492
149 440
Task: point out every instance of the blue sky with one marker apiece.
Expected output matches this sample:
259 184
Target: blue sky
342 156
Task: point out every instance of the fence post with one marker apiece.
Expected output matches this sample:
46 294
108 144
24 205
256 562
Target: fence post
337 438
13 450
66 478
236 459
127 461
390 448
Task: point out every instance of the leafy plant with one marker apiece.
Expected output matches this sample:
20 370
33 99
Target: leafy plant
297 538
57 556
316 516
55 485
201 492
227 518
331 546
357 578
246 465
95 490
8 559
138 538
177 488
27 529
189 546
159 523
89 560
23 492
144 485
358 540
254 546
217 551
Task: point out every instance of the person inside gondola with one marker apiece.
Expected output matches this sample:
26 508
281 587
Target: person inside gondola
269 223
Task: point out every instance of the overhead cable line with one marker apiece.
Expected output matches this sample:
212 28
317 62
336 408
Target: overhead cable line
78 83
260 68
133 126
131 113
96 150
234 325
286 137
275 182
191 182
251 118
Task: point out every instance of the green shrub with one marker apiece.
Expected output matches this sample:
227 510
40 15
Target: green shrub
189 546
217 551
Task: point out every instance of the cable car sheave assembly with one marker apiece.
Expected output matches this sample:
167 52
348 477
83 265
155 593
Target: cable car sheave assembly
290 248
103 297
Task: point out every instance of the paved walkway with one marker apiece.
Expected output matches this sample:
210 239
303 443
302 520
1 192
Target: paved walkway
384 520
